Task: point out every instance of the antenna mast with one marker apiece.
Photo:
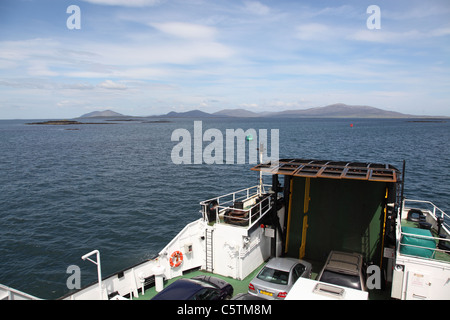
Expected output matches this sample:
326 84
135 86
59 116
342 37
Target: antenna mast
260 182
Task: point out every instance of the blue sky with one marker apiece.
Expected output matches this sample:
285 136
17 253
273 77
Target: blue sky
148 57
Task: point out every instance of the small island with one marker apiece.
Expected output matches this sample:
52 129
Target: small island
65 122
57 122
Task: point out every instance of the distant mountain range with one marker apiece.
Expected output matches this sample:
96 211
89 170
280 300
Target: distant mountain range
338 110
341 110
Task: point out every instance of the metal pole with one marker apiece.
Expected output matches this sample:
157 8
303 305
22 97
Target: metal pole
99 268
260 184
403 187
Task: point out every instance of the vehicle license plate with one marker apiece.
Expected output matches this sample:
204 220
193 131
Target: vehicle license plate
266 293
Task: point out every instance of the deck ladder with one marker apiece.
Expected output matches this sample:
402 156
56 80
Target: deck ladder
209 250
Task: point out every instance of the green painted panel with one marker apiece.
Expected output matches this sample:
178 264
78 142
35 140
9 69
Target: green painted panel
343 215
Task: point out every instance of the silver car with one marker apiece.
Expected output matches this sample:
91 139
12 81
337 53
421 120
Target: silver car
278 276
344 269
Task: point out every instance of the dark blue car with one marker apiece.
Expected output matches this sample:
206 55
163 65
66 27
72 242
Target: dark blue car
197 288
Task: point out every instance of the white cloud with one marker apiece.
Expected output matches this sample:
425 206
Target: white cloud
441 32
147 55
186 30
341 11
24 49
131 60
417 11
125 3
383 36
40 69
245 53
109 84
314 31
256 7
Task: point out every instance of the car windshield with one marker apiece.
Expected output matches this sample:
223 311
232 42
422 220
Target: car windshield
340 279
274 276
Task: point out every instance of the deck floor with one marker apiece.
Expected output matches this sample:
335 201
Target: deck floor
240 286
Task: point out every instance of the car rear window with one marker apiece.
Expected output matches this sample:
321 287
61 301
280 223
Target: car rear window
340 279
274 276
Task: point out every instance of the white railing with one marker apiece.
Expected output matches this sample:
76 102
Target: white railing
241 208
7 293
426 252
440 244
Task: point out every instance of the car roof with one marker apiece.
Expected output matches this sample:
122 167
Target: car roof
181 289
344 262
283 264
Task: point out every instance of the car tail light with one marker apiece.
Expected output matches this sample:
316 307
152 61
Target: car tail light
282 295
251 287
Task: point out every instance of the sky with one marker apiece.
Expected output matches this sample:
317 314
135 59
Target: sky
62 59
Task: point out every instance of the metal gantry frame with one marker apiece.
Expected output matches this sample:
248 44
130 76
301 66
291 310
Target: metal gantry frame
99 268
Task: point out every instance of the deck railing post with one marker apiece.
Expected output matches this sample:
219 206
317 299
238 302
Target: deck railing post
99 268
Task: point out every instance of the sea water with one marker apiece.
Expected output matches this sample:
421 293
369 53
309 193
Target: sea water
67 190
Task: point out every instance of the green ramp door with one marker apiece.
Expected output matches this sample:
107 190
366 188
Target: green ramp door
335 214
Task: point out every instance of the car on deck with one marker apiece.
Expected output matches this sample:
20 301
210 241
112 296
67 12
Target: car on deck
278 276
197 288
344 269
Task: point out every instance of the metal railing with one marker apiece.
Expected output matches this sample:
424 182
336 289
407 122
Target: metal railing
426 251
241 208
436 248
432 209
7 293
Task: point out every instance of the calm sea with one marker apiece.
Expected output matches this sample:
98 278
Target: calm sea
115 188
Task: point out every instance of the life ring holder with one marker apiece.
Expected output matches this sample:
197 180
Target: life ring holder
211 210
176 259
